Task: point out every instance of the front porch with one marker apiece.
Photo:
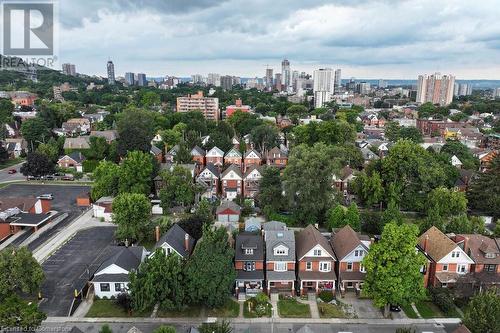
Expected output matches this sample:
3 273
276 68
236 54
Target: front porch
316 286
281 287
247 289
351 286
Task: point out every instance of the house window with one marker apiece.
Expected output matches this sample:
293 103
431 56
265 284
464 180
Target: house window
455 254
250 266
280 251
489 255
461 268
490 268
104 286
317 252
362 268
169 250
445 267
309 266
356 253
280 266
325 266
349 266
119 287
248 251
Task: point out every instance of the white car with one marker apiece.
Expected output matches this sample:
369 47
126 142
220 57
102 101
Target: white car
46 196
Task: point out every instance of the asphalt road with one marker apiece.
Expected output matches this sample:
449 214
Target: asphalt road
254 328
68 268
64 202
5 176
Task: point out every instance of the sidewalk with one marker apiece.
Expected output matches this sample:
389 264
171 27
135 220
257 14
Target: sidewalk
313 304
84 221
274 303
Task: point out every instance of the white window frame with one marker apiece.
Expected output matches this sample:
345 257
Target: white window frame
248 251
347 266
459 270
327 268
106 285
280 266
445 267
309 266
317 252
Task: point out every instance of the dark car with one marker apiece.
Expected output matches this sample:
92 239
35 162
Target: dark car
395 308
12 171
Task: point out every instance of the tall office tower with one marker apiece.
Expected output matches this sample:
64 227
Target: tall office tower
214 79
226 82
323 86
209 106
435 88
285 73
69 69
268 80
111 72
197 79
129 78
295 76
363 88
382 84
278 84
236 80
141 80
338 80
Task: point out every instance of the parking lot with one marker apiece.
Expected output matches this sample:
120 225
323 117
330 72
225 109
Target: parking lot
64 201
70 266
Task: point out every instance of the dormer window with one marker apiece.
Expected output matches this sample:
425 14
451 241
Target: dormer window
248 251
489 255
281 250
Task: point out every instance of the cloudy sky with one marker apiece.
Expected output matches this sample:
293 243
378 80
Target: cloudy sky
366 38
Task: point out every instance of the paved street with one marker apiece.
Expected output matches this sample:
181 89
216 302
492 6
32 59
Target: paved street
69 267
6 177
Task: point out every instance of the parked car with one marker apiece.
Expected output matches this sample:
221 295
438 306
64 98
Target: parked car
395 308
12 171
33 178
68 177
46 196
49 178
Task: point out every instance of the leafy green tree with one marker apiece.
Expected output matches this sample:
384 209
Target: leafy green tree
352 217
6 109
370 188
19 272
411 133
453 147
16 313
223 326
336 217
50 149
296 111
34 131
210 271
446 202
135 173
106 179
37 165
159 280
131 212
265 137
165 329
204 211
244 122
484 190
170 137
392 131
270 196
136 129
150 98
178 188
426 110
391 214
482 312
183 155
98 148
105 329
387 258
262 108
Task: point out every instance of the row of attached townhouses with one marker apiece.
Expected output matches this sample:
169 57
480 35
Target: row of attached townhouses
278 260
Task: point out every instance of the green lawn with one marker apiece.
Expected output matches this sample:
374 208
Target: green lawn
291 308
327 310
188 312
109 308
230 310
10 163
249 309
428 310
410 313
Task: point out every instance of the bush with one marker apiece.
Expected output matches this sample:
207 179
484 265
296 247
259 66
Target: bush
326 296
89 165
124 300
261 298
442 298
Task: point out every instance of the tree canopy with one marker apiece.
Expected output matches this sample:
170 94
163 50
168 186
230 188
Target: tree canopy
131 212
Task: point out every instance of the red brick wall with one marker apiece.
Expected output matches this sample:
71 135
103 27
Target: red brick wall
355 266
259 265
270 266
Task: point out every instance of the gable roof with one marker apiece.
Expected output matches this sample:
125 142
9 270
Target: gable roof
109 135
197 151
253 151
344 241
476 246
81 142
230 168
128 258
77 156
276 238
228 205
233 152
252 168
438 244
155 150
308 238
274 226
276 151
175 237
248 240
217 150
23 203
212 168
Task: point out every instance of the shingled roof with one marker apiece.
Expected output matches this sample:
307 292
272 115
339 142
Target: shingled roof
436 244
307 239
344 241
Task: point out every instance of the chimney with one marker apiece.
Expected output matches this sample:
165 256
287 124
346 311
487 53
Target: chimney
316 225
426 239
186 242
157 233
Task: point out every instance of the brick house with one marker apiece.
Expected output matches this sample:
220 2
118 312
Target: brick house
277 158
232 182
73 160
249 264
280 261
251 181
233 157
215 156
350 249
315 262
449 262
209 181
170 155
252 157
198 155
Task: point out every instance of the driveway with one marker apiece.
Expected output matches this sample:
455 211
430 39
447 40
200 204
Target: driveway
363 308
68 268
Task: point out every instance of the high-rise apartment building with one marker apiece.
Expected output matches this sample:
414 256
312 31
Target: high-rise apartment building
496 93
141 80
278 83
363 88
226 82
209 106
214 79
435 88
111 72
69 69
269 79
285 74
337 80
323 86
197 79
382 84
462 89
129 78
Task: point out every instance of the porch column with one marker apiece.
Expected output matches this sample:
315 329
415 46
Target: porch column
293 288
301 287
268 287
317 286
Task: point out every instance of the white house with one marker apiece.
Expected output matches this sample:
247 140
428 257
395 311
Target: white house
112 276
102 208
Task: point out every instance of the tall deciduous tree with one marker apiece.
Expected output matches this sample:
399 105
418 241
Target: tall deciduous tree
136 129
34 130
210 270
270 196
37 165
352 217
19 272
135 173
265 137
178 188
393 267
106 178
131 212
482 314
16 313
484 190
